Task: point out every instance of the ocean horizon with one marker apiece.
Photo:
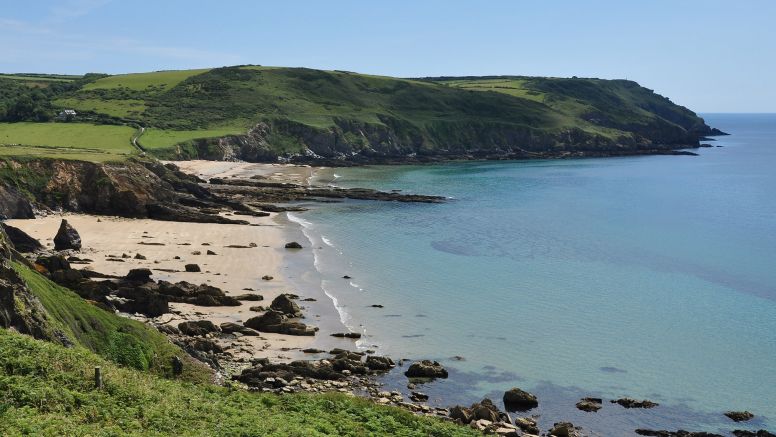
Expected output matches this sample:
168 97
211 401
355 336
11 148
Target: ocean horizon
648 277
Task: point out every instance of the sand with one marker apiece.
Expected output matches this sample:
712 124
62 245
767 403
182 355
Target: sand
235 270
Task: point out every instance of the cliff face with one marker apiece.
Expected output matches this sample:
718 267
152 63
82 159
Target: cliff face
138 189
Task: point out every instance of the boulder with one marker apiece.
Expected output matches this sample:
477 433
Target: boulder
275 321
564 429
739 416
285 305
589 404
198 327
192 268
205 345
67 237
22 242
461 414
231 328
374 362
293 245
519 400
527 424
426 369
141 275
252 297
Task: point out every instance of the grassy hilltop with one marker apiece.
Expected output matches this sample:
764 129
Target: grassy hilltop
261 113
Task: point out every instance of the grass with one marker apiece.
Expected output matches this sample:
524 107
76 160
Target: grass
121 340
48 390
165 138
158 80
121 108
97 143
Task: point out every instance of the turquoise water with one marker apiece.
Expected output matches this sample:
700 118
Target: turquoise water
651 277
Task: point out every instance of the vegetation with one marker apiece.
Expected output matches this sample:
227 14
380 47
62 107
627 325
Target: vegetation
121 340
338 113
82 141
48 390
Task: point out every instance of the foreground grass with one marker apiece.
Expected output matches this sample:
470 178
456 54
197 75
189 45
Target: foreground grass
48 390
84 141
123 341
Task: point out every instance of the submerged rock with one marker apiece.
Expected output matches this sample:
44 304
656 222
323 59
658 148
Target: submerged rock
739 416
590 404
67 237
633 403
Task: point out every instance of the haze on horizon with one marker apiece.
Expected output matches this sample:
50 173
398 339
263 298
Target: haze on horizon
711 56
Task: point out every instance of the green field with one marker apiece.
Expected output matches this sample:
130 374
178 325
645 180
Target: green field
121 108
144 81
163 139
66 140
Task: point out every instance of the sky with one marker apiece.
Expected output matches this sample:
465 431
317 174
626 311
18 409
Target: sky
710 55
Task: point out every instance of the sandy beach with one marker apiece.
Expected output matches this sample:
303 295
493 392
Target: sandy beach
113 242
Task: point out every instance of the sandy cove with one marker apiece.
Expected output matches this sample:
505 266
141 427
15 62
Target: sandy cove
235 270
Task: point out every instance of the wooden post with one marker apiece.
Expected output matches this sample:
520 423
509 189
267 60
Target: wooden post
97 377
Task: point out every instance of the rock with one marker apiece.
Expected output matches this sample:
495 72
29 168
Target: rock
426 369
168 329
377 363
313 351
139 256
519 400
527 424
192 268
210 252
461 414
205 345
564 429
347 335
589 404
376 306
418 396
267 278
632 403
739 416
679 433
346 277
67 237
231 328
274 321
760 433
198 327
139 275
285 305
21 241
293 245
252 297
196 252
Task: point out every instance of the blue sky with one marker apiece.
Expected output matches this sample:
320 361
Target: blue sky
712 56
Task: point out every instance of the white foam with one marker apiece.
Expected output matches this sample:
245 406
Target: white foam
327 241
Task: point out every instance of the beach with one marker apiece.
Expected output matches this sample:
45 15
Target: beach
112 244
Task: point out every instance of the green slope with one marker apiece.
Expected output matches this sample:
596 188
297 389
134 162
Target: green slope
47 389
337 114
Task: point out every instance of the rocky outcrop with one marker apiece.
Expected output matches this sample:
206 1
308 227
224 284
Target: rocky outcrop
20 309
285 305
21 241
426 369
67 237
198 327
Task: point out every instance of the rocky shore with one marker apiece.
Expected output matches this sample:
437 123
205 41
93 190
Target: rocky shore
206 266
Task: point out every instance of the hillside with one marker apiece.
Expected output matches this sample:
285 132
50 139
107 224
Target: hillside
265 113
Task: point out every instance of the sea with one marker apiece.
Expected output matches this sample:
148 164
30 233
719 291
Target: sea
651 277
